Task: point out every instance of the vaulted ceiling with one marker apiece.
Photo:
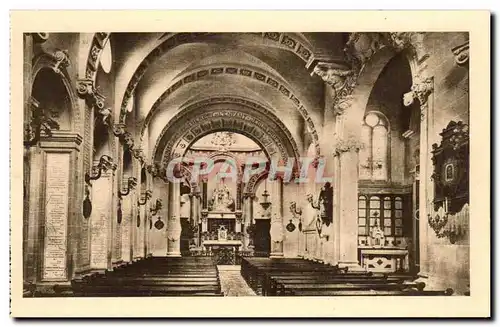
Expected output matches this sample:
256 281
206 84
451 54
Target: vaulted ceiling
271 69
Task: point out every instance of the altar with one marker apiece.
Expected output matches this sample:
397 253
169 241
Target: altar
221 222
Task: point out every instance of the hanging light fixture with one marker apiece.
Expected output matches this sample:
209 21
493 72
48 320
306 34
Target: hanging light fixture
265 197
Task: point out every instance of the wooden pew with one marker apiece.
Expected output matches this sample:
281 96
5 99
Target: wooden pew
155 277
447 292
284 289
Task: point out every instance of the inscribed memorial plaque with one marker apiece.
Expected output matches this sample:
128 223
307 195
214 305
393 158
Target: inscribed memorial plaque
56 216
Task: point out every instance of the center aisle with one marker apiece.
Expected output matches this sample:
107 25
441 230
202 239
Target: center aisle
232 284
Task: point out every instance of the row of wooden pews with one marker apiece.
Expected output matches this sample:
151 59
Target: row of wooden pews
184 276
299 277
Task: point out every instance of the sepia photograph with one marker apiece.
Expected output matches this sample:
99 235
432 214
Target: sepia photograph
178 163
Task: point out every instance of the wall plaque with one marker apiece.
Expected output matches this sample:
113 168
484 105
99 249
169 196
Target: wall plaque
56 216
99 223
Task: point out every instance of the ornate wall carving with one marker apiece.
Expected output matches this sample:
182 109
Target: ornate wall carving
359 50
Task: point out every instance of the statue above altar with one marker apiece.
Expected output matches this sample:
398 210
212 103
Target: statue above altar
221 198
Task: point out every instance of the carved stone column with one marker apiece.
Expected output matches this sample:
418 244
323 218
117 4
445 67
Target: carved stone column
277 230
421 91
174 222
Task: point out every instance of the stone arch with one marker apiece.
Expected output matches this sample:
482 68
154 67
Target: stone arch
94 53
366 82
54 66
253 183
225 113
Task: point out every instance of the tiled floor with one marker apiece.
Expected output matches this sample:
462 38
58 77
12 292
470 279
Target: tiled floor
232 283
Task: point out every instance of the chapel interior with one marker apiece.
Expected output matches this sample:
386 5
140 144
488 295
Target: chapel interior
384 115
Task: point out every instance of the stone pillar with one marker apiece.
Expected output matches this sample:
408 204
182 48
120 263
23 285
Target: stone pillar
116 241
277 229
348 205
174 222
158 233
102 221
127 227
192 208
247 217
52 217
421 90
237 227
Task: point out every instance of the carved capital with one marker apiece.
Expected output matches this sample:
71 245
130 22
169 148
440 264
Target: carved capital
461 54
62 60
419 90
343 145
86 90
400 40
362 46
342 82
340 79
408 40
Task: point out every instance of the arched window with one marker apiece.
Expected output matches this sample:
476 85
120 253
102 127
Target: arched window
373 158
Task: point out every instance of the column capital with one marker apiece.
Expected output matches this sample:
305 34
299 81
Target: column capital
349 144
342 80
461 54
87 91
361 46
62 60
421 89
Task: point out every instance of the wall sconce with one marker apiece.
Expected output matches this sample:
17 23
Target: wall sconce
311 201
105 164
147 195
39 123
131 184
157 207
